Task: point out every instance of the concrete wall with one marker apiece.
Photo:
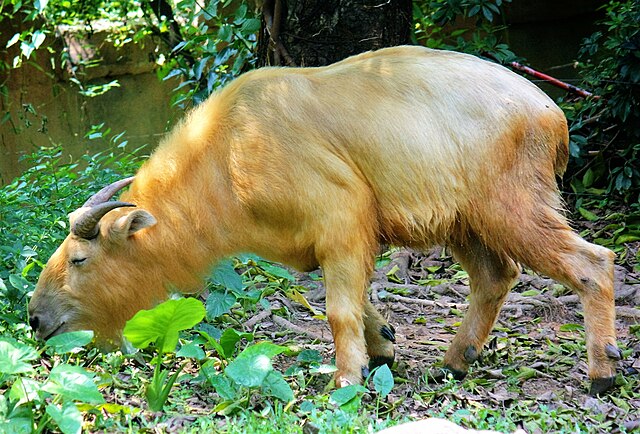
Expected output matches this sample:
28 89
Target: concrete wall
140 106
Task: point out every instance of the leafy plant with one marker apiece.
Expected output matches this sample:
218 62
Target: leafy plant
605 132
462 25
160 326
66 386
215 45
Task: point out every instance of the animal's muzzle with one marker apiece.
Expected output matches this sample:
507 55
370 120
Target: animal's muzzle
34 322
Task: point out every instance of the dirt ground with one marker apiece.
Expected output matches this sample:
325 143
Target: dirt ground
535 355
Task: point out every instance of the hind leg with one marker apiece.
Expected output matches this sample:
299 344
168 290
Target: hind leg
491 277
380 337
588 270
540 238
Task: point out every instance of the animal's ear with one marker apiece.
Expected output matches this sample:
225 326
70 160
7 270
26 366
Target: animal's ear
130 223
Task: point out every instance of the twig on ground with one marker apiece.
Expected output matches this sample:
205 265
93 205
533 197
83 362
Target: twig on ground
297 329
422 302
251 322
628 312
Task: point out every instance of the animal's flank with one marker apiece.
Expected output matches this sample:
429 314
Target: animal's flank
317 166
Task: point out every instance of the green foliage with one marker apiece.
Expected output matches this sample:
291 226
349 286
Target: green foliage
253 368
215 44
160 326
383 380
34 406
203 47
462 25
605 132
15 358
70 342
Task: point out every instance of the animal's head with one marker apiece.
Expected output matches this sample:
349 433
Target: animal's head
96 278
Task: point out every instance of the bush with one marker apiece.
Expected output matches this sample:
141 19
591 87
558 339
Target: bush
605 132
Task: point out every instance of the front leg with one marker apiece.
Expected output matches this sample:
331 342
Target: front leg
380 337
345 281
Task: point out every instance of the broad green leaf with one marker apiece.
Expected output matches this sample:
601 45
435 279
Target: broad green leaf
38 38
276 271
25 390
588 178
192 351
383 380
275 385
345 394
628 237
323 369
15 356
571 327
223 386
40 5
15 38
229 340
253 365
219 303
68 418
588 214
211 9
307 406
18 282
162 323
18 421
210 331
225 275
225 33
309 356
73 383
70 342
252 25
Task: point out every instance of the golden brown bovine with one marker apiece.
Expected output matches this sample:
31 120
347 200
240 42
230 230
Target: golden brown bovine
318 166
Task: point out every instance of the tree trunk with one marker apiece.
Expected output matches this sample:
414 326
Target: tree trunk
320 32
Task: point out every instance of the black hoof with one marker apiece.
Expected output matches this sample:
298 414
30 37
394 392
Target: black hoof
470 354
613 352
438 375
601 385
388 332
376 361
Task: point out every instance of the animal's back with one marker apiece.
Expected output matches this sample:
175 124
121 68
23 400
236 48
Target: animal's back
428 131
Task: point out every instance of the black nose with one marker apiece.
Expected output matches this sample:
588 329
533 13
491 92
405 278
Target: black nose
34 322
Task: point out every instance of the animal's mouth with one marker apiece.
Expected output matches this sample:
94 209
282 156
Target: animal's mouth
58 330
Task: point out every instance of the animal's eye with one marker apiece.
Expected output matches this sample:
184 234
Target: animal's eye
78 261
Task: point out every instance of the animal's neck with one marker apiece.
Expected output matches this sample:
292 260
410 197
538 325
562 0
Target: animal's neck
183 185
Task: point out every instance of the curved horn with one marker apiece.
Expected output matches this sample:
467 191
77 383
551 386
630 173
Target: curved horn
107 192
86 225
